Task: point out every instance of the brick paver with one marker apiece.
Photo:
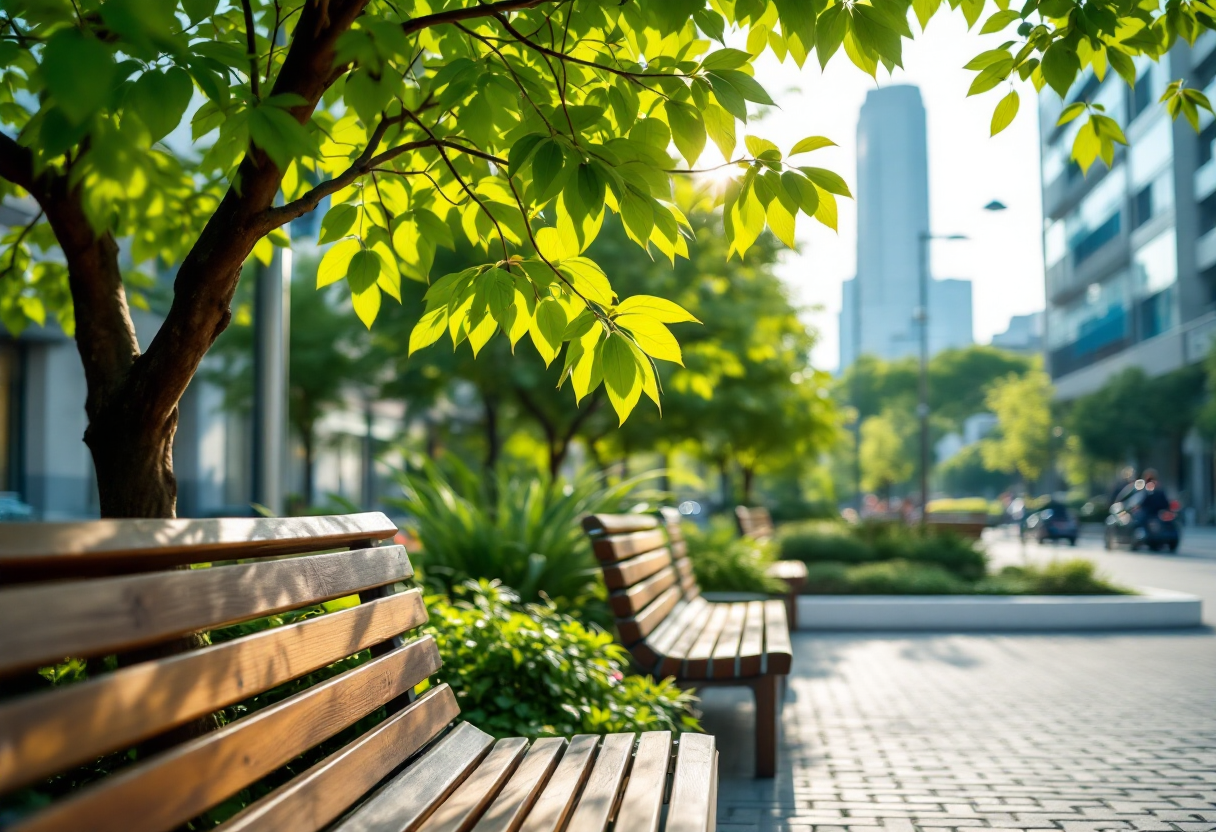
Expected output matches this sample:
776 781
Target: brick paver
1069 733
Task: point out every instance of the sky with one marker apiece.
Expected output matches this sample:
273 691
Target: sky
967 169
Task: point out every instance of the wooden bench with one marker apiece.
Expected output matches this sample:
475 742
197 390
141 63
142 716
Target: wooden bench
90 590
757 524
670 630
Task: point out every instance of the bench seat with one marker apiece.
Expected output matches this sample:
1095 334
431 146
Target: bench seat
381 759
672 631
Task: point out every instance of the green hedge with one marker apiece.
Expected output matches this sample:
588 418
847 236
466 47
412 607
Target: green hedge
873 542
725 562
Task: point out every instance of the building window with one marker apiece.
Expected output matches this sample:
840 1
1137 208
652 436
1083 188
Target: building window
1090 327
1206 138
1155 265
1153 199
1142 96
1099 217
1086 246
1151 152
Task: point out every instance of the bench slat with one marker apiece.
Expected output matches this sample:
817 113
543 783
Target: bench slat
645 652
635 629
673 663
751 646
472 796
44 733
106 615
619 523
695 786
642 804
173 787
725 659
37 551
696 663
557 800
627 573
412 795
508 810
618 547
626 602
598 799
777 638
313 800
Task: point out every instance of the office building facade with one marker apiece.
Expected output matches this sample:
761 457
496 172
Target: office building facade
878 306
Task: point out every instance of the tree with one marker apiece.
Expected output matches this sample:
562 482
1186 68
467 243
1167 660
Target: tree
959 379
515 122
886 458
1021 443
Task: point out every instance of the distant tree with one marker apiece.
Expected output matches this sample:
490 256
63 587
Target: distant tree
1021 443
966 475
327 359
959 379
886 455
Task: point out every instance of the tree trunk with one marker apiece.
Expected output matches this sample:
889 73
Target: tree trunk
134 463
309 440
749 477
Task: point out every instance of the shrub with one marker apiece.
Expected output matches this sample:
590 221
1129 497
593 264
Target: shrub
875 541
517 527
965 505
533 671
901 577
724 562
826 578
1070 577
819 542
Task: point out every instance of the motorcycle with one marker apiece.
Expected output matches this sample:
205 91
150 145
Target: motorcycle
1054 523
1134 524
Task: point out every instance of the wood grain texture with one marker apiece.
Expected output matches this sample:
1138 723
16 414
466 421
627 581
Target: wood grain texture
43 623
599 798
635 629
696 663
47 732
410 797
618 547
724 662
645 652
507 812
673 662
642 804
556 802
40 551
694 788
627 602
461 809
315 798
627 573
767 690
618 523
173 787
778 650
751 645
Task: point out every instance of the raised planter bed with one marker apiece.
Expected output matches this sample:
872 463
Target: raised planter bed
1153 609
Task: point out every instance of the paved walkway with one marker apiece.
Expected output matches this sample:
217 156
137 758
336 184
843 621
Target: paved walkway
1078 733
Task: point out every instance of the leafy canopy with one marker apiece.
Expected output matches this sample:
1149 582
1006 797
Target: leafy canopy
517 124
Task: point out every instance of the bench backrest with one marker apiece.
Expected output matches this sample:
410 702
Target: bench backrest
646 569
754 522
108 588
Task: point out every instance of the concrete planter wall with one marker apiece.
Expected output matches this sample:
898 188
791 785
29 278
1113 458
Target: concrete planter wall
1155 608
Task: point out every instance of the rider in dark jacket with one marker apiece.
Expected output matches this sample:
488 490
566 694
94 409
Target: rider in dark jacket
1155 499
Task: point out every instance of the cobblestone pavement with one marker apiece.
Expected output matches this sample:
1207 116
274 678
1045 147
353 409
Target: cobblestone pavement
1078 733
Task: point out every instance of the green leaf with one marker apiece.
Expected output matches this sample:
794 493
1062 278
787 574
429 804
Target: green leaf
725 59
590 184
500 292
78 71
337 222
729 98
925 9
363 271
366 95
746 86
830 28
811 143
990 76
548 162
651 131
999 21
827 180
803 192
548 326
972 9
1005 111
588 280
987 59
521 151
687 129
1060 67
826 213
336 262
720 125
1070 112
429 329
367 303
638 214
621 377
1123 65
198 10
661 309
160 99
652 337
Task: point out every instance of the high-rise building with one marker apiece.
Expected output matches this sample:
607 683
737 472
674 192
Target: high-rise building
892 219
1130 251
1024 334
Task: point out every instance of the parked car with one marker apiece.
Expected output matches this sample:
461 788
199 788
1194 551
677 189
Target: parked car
1055 522
1137 520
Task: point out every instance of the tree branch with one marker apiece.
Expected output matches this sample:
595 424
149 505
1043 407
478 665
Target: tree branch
251 44
16 163
417 24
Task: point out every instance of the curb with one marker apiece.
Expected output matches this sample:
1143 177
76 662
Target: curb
1153 609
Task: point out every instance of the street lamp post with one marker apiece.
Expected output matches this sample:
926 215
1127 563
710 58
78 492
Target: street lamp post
922 316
